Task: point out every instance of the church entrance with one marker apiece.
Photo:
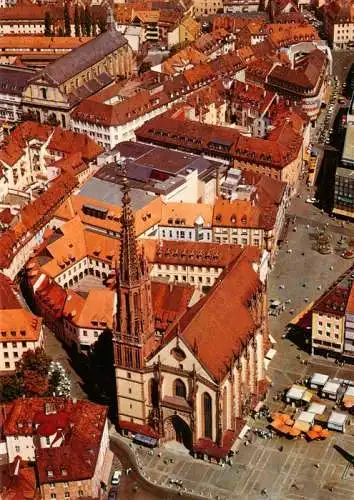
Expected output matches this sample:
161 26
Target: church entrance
176 429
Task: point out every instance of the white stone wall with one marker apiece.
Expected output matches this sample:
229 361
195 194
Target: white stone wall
12 351
20 445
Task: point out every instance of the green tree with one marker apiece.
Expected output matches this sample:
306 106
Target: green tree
47 24
87 21
67 22
102 24
11 388
36 361
77 21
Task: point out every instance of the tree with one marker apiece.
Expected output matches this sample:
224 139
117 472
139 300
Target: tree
87 21
102 24
34 384
11 388
47 24
67 22
77 21
36 361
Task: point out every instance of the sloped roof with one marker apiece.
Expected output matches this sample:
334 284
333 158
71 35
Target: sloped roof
82 57
218 327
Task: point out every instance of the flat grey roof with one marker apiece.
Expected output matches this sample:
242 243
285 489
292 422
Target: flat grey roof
348 149
108 192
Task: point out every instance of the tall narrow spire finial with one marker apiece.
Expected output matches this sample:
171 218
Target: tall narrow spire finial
129 263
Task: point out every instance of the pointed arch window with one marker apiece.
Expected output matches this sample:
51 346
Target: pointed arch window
179 388
207 415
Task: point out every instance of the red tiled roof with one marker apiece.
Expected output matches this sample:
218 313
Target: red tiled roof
217 319
169 302
8 297
81 425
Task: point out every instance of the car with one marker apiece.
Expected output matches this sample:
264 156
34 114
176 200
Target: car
311 199
116 477
112 493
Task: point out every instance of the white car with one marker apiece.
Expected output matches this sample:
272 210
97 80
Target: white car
311 199
116 477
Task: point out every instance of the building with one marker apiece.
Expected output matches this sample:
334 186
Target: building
34 154
344 179
20 329
349 326
331 319
66 439
279 155
13 81
186 222
36 51
253 212
197 382
204 8
18 242
61 86
338 20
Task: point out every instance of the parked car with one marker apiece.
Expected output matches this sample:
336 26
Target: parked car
311 199
116 477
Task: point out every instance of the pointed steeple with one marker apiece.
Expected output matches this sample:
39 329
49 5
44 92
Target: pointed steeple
129 263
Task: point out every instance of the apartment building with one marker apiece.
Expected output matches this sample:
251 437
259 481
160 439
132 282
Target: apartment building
20 329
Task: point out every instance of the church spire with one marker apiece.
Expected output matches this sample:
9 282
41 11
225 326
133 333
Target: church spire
129 262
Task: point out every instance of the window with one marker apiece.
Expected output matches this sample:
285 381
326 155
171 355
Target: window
85 333
179 388
129 375
15 354
67 494
81 493
207 414
47 440
4 345
53 495
7 364
328 325
44 93
17 449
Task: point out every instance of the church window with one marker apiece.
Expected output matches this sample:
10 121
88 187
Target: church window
179 388
129 357
178 354
207 415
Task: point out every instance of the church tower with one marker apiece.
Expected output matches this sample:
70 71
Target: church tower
134 321
134 324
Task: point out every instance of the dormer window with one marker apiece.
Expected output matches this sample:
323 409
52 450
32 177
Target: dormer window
64 472
50 473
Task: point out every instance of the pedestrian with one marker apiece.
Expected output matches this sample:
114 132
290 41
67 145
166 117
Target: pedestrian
281 448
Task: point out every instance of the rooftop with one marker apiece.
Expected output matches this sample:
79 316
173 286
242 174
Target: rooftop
80 424
108 192
82 57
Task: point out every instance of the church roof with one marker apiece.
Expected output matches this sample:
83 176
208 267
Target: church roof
218 326
82 57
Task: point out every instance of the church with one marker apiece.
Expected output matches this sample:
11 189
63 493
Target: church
196 382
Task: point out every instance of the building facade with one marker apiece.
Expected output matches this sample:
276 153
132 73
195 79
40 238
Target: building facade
54 92
174 387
